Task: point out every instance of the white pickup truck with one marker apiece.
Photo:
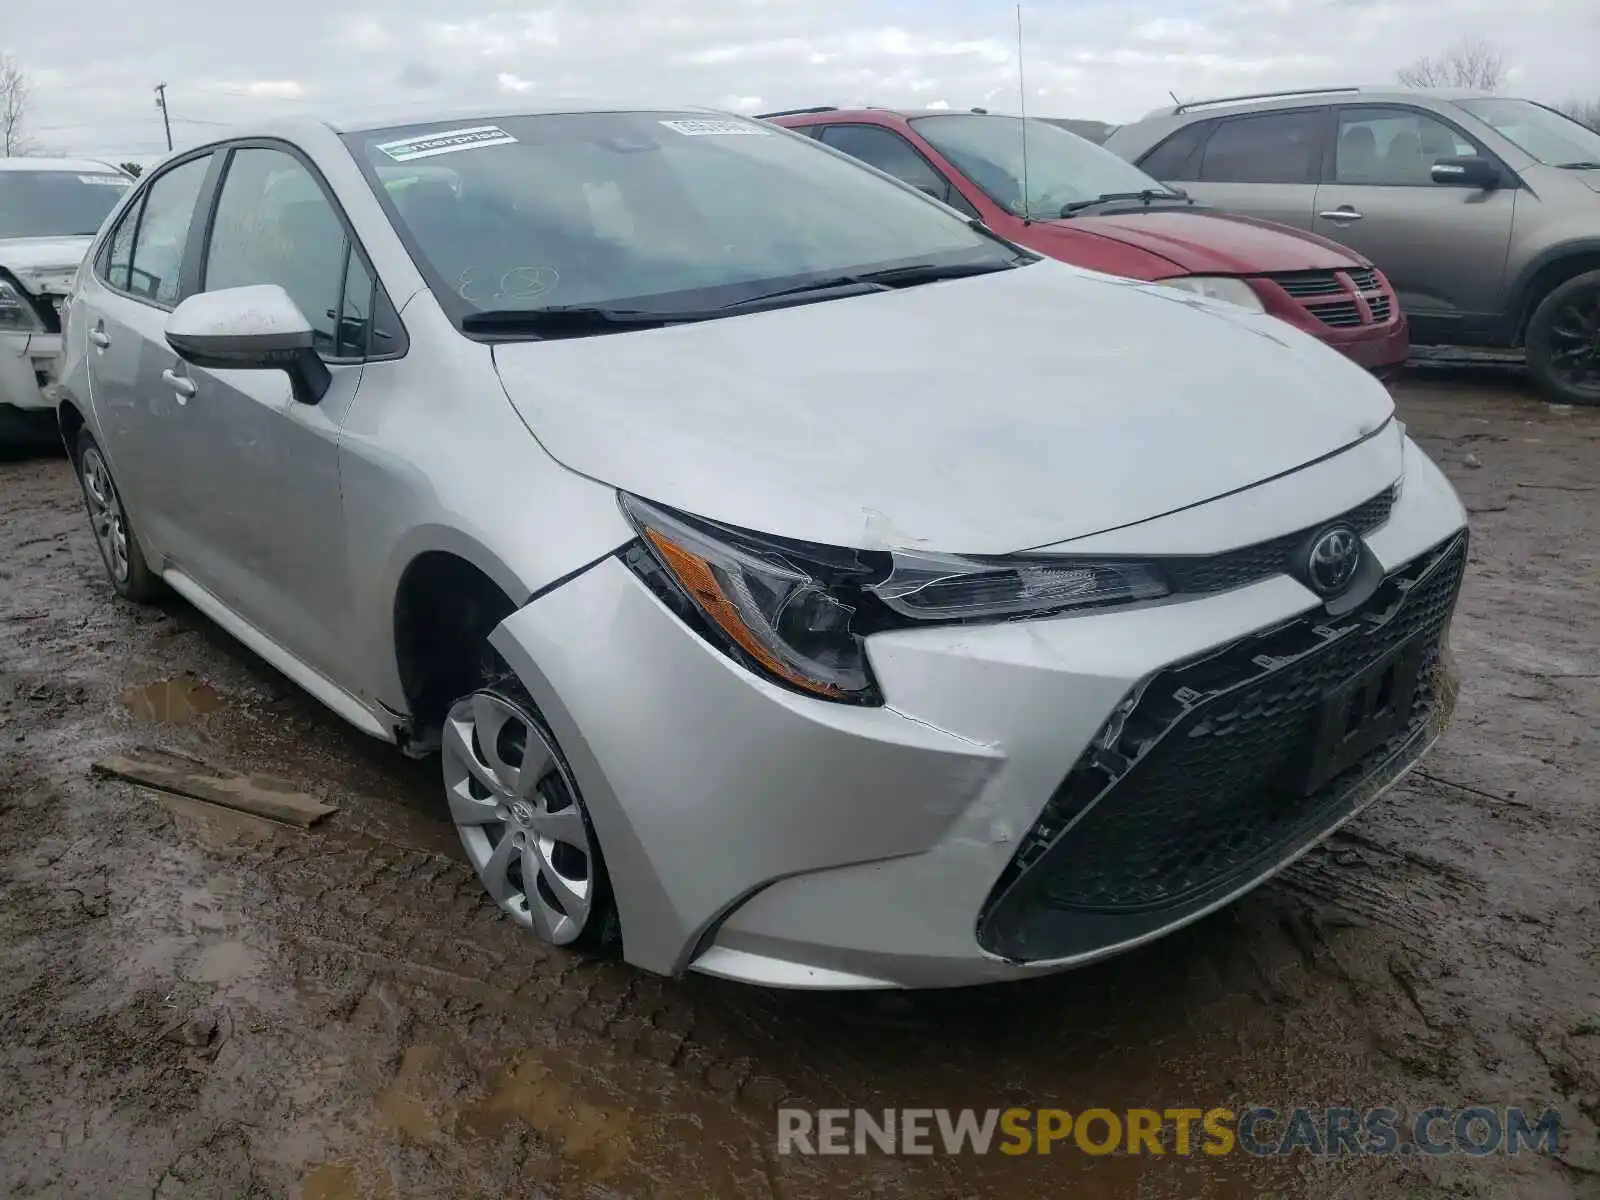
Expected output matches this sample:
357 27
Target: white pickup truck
50 210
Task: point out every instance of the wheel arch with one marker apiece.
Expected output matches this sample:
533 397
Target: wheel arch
71 419
1546 272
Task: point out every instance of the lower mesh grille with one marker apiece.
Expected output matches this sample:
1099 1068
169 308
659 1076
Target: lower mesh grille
1211 775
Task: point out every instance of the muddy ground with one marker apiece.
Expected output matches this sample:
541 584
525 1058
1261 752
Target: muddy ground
199 1004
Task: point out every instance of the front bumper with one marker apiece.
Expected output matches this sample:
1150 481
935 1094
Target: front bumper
761 835
27 386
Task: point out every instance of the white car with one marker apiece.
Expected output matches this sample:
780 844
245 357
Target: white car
799 582
50 210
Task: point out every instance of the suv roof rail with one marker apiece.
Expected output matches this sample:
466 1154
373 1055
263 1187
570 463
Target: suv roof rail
796 112
1322 91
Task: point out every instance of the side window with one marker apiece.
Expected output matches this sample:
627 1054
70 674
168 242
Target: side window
162 231
889 152
1271 148
355 310
1178 157
118 257
273 224
1393 146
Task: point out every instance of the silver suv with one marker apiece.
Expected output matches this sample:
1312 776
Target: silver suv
1483 211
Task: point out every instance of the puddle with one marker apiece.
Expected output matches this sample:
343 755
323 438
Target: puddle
172 701
331 1181
225 962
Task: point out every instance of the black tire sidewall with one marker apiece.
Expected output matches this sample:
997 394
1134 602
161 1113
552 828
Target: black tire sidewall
1537 343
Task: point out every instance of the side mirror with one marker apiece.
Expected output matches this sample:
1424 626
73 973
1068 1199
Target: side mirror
256 328
1465 170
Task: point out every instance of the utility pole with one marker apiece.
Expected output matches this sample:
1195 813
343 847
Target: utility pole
161 103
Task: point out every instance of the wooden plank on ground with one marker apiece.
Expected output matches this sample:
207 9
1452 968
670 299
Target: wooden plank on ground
262 795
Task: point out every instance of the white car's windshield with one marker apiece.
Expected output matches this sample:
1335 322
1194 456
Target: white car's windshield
1552 138
1061 168
57 203
647 212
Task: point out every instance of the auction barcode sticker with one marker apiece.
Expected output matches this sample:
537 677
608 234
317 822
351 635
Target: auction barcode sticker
448 142
104 180
704 127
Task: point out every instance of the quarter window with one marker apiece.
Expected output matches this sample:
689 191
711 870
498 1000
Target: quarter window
1271 148
890 153
119 252
1392 146
1178 157
155 262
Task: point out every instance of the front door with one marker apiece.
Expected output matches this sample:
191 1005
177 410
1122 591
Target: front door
1443 246
260 469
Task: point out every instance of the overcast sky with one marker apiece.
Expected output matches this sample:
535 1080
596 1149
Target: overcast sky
93 62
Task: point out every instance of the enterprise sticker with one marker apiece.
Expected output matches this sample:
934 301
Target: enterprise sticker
701 127
446 143
104 180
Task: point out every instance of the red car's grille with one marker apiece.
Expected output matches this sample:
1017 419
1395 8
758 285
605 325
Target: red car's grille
1341 299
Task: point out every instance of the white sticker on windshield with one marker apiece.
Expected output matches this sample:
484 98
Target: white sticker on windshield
446 143
702 127
104 180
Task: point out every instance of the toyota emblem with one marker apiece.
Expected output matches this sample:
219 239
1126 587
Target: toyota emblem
1332 561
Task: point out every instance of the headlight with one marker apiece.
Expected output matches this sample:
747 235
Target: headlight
1218 287
799 612
16 311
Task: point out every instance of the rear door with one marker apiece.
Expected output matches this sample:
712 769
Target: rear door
1262 164
122 313
261 469
1443 246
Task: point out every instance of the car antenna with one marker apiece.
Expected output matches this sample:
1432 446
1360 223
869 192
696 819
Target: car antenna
1178 103
1022 97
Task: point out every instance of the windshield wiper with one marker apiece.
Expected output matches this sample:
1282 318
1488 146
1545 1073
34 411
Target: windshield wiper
572 318
1145 196
862 283
1581 165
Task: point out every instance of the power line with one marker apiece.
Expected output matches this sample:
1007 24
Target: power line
161 103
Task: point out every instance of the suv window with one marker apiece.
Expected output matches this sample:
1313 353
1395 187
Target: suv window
162 231
890 153
274 224
1270 148
1392 146
1177 157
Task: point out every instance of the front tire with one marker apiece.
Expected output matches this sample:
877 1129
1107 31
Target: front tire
521 819
1563 342
113 533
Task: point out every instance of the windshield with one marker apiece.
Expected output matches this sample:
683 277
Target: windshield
644 211
57 203
1541 132
1062 168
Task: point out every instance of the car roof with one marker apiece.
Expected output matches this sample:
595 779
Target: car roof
86 166
831 113
1382 93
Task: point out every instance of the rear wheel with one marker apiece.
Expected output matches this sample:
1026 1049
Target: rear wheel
113 533
522 820
1563 342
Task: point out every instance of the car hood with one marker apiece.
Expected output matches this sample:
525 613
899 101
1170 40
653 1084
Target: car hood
44 264
1214 243
983 415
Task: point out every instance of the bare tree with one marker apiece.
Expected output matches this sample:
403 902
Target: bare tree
1469 63
1585 112
14 93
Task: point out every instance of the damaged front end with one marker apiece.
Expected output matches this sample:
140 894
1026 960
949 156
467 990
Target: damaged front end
1217 772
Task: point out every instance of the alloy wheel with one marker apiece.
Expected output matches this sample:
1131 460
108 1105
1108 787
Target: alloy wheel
1575 341
105 514
516 808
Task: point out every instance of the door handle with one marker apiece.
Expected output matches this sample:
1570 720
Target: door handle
181 384
100 338
1340 214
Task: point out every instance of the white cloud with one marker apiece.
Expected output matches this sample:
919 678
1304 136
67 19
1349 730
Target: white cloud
1105 59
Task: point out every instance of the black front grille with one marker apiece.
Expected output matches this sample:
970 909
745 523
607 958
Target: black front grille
1365 279
1341 314
1310 283
1196 785
1250 564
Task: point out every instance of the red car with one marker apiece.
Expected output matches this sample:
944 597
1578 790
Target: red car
1073 200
